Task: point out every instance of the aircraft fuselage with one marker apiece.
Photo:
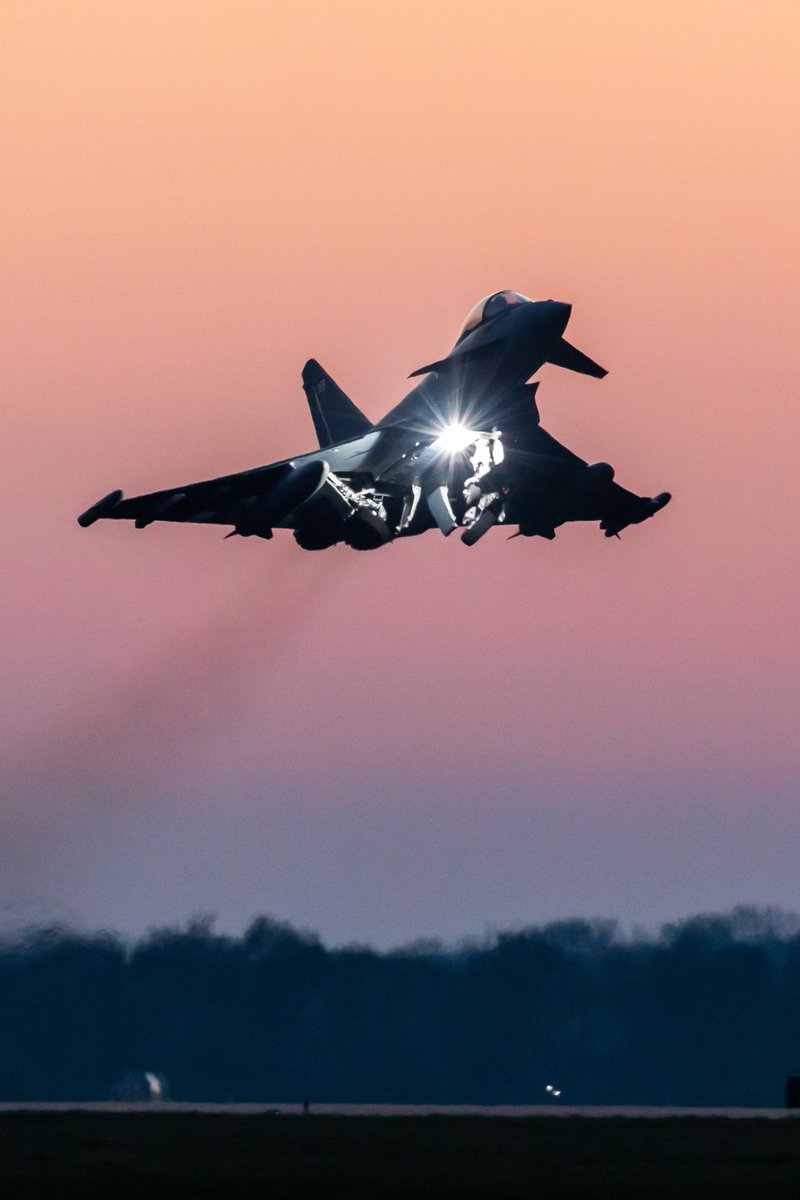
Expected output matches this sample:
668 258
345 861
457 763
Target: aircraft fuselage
463 448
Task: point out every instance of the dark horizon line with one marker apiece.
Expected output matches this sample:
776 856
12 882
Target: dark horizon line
741 923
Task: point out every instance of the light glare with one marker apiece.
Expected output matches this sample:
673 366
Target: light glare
454 438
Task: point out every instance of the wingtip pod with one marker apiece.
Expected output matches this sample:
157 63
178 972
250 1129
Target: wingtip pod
103 508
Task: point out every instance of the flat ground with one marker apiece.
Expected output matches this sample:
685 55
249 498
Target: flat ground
68 1155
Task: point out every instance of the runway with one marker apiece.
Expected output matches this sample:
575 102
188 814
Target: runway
391 1152
402 1110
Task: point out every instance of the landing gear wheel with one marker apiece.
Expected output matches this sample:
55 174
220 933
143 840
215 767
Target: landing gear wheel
478 528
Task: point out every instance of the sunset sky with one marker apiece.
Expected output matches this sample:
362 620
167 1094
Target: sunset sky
426 740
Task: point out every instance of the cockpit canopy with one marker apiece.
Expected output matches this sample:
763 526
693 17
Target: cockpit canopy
489 307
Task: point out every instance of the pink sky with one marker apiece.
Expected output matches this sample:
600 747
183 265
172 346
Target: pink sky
426 739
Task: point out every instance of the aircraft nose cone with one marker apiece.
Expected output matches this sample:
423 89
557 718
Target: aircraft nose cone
548 318
559 314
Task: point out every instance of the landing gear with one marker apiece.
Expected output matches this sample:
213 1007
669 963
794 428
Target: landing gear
481 525
485 505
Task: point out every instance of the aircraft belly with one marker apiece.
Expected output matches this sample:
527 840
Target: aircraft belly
404 472
346 457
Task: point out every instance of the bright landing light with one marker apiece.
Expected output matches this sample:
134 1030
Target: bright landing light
454 438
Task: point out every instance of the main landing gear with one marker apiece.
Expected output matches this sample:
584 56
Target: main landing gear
485 504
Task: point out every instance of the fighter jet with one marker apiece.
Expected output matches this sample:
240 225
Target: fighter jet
463 450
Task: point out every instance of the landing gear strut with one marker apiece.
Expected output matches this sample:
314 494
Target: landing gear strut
485 506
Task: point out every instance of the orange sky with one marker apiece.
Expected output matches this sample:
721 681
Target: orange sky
197 197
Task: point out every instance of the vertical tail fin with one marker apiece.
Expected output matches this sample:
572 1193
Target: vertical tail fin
335 416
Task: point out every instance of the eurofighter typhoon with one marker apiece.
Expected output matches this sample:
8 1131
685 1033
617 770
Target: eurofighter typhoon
463 450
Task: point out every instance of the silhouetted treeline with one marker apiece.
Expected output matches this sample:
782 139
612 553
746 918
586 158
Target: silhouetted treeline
706 1013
